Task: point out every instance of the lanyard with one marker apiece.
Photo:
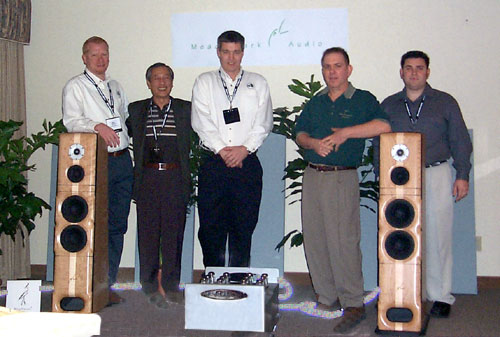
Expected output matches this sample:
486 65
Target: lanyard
109 103
164 118
231 97
414 121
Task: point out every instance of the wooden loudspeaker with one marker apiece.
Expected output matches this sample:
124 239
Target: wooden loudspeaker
81 225
400 233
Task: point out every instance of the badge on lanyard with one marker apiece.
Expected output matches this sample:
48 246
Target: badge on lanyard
114 123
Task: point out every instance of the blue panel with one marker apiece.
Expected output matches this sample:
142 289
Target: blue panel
188 249
270 228
49 273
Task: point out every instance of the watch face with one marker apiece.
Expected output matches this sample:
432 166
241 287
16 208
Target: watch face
76 151
400 152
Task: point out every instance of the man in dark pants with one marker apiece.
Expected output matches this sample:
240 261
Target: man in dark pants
161 129
232 114
92 102
435 114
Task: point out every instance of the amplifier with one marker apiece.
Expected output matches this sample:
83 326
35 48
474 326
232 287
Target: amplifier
233 299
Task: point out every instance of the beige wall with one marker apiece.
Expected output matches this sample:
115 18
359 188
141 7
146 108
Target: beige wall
460 36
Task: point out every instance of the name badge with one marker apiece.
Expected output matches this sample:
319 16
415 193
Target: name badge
231 115
114 123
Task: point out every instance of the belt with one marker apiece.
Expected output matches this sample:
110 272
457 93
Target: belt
328 168
118 153
162 166
436 163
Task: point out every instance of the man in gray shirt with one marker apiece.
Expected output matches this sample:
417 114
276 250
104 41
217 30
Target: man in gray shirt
435 114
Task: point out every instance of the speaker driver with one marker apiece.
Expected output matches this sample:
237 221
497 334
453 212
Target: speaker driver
400 175
72 304
74 209
401 315
400 213
73 238
399 245
75 173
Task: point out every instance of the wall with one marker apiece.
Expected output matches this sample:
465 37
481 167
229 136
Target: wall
460 36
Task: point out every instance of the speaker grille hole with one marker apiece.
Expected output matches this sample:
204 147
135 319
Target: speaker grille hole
72 304
400 175
74 209
399 245
403 315
399 213
75 173
73 238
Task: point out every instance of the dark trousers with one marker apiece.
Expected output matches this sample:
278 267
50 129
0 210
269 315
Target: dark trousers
161 217
228 205
120 179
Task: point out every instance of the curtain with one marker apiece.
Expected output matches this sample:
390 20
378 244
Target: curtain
14 32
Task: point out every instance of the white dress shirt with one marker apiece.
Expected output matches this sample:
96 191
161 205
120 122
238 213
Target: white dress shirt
83 107
252 99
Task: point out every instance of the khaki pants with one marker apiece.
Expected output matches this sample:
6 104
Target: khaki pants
332 232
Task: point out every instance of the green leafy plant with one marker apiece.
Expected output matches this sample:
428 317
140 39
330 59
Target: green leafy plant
18 207
284 124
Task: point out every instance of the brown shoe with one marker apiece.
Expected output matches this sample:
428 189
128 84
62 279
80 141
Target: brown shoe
352 316
325 307
114 298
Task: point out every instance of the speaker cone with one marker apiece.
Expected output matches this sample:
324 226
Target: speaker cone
75 173
400 175
74 209
399 245
73 238
400 213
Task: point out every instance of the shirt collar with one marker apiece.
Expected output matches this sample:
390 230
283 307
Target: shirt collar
95 78
227 77
428 92
348 93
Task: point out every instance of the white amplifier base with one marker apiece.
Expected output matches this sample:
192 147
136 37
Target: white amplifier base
258 311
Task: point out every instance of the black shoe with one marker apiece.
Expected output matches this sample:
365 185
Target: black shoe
114 298
351 318
440 310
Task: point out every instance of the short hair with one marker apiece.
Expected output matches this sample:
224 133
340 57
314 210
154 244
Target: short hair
231 36
333 50
158 65
93 39
415 54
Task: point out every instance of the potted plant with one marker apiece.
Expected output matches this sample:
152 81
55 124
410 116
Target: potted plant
18 207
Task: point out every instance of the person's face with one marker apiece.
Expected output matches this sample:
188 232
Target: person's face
336 71
96 58
230 55
415 73
160 83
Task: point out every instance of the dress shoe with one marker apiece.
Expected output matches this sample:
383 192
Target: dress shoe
351 317
440 310
176 297
155 297
325 307
114 298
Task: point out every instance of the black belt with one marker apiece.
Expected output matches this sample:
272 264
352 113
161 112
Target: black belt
328 168
436 163
118 153
162 166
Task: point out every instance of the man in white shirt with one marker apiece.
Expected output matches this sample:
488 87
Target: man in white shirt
232 114
92 102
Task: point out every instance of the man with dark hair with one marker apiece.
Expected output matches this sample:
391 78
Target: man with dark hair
161 130
92 102
435 114
232 114
332 130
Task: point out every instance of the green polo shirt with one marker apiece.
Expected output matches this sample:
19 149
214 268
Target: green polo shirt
321 114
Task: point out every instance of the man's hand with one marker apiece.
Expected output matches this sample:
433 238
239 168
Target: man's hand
460 189
337 138
322 146
233 156
108 134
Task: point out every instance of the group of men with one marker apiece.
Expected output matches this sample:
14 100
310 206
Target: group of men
231 112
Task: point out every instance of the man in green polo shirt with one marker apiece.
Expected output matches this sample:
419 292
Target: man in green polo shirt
332 129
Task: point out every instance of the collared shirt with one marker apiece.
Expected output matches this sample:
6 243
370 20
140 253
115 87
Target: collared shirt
83 107
441 122
321 114
252 99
